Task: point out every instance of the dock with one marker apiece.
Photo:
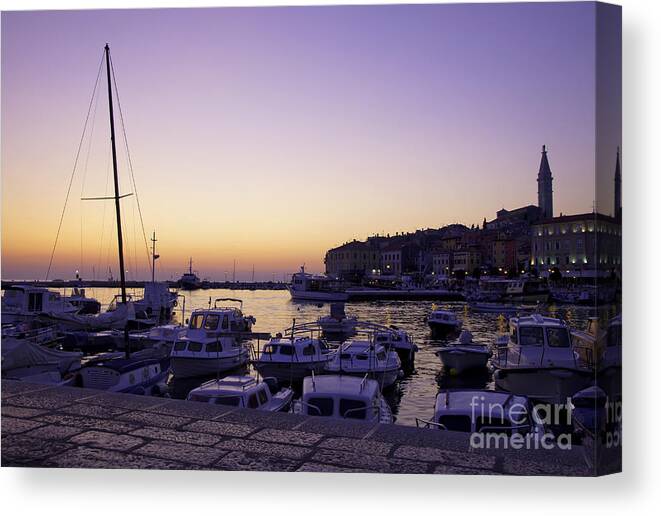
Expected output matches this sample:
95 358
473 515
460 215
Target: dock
68 427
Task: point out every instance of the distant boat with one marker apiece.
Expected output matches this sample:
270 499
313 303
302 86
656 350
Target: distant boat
189 280
443 323
315 287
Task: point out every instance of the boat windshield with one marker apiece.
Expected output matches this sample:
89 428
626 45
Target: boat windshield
319 406
229 401
531 336
557 337
353 409
196 321
456 423
211 322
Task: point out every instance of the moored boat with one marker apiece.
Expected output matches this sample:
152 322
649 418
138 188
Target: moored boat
366 358
540 361
244 392
344 397
464 355
483 411
443 323
292 359
315 287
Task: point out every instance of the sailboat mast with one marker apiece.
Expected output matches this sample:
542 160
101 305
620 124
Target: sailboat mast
120 241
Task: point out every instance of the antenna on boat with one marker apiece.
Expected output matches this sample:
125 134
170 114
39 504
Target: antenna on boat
154 257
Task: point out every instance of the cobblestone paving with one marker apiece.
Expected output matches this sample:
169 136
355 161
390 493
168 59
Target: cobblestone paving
63 427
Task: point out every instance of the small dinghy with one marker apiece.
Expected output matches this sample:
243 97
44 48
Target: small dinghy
464 355
244 392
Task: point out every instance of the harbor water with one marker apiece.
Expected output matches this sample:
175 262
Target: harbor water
414 395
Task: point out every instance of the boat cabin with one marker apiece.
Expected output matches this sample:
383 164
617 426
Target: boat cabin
301 349
346 397
208 323
484 411
25 299
538 341
242 392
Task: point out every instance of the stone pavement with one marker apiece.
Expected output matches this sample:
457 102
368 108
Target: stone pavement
67 427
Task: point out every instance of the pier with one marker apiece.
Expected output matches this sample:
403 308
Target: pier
56 427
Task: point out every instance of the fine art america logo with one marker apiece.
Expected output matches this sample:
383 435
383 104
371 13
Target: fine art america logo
518 425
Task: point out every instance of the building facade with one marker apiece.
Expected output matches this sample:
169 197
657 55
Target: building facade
587 245
353 260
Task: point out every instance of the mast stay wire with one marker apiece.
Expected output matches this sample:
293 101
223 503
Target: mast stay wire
130 162
73 171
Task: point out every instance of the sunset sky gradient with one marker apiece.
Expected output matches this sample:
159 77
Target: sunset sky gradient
268 135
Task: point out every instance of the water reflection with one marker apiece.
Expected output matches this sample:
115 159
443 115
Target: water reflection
414 395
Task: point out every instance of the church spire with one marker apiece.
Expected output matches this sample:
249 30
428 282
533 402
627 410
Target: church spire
545 187
618 188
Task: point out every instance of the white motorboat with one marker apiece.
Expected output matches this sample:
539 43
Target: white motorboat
366 358
212 343
292 359
84 304
471 411
315 287
244 392
539 361
134 375
399 341
337 326
344 397
158 302
23 303
443 322
464 355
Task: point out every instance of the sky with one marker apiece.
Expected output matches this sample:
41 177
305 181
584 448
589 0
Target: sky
266 136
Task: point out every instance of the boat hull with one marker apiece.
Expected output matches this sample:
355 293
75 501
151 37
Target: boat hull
385 378
292 372
553 384
440 330
307 295
459 361
189 367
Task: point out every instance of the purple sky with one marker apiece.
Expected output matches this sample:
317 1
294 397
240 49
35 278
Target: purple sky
268 135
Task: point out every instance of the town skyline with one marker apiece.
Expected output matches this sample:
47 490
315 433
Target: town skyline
261 166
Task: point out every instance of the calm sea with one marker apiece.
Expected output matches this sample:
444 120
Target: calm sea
414 395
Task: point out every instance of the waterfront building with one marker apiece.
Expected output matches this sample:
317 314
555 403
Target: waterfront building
400 257
466 261
442 263
583 245
353 260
